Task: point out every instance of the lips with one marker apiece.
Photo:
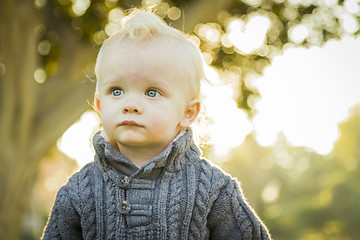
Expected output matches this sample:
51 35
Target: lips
129 123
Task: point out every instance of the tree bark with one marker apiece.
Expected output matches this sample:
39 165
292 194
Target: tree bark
33 116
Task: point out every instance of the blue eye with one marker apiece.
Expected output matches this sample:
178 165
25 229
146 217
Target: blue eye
117 92
152 93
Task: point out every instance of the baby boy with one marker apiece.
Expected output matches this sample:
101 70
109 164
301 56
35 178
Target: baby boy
148 180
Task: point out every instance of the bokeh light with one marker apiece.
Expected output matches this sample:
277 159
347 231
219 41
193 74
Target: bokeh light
79 7
247 37
40 75
76 141
303 97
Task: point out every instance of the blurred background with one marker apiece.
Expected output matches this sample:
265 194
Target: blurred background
282 112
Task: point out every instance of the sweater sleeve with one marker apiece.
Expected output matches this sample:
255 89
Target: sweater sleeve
232 218
64 222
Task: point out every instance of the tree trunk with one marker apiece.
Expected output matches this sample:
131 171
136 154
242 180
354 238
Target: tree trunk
33 116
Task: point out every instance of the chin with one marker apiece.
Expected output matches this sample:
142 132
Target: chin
132 142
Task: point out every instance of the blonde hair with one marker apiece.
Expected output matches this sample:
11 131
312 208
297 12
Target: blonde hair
140 26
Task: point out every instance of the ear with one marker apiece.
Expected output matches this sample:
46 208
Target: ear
96 105
191 112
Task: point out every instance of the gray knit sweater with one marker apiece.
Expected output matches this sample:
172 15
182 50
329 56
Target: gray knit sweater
177 195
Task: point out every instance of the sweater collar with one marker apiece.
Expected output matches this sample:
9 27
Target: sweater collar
180 152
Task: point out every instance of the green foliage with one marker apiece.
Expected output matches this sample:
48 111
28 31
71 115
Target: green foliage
300 194
322 21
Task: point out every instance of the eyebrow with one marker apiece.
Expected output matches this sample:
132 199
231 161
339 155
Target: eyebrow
118 81
111 82
162 83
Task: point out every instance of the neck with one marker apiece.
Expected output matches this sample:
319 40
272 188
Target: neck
140 155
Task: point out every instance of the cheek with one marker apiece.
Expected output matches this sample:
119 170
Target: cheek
107 117
106 124
158 122
165 120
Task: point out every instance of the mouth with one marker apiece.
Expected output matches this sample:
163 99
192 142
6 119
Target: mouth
129 123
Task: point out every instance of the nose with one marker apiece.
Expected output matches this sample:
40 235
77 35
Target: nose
132 106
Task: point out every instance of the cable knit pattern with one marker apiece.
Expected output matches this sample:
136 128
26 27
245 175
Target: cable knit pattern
240 214
177 195
198 224
86 181
111 209
174 206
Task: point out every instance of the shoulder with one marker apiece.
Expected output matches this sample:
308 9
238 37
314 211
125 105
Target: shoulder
221 186
211 173
230 212
216 172
81 182
74 207
86 173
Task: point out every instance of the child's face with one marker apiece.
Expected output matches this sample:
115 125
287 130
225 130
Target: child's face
143 95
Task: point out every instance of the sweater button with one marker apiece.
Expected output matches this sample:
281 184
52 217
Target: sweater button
123 182
124 207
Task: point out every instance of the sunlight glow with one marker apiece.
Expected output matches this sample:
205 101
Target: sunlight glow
250 36
229 125
174 13
40 75
79 7
149 3
298 33
253 3
352 6
115 15
349 23
76 141
271 192
306 93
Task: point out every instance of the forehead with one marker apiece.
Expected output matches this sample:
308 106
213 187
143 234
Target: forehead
161 51
161 58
